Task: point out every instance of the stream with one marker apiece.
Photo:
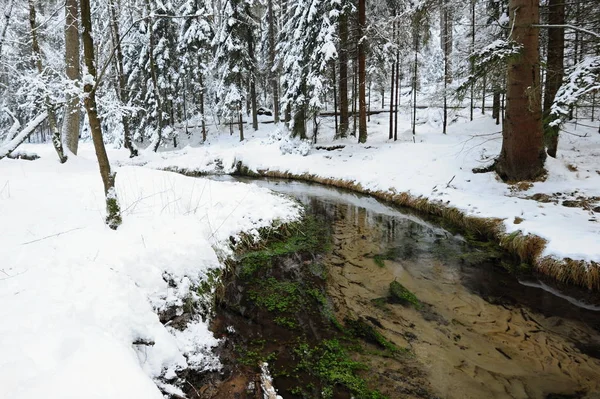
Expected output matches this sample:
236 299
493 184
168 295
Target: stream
479 332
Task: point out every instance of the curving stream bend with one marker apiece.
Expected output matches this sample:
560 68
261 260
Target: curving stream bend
481 333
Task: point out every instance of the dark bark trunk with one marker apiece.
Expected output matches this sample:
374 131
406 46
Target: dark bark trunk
362 73
113 211
554 70
274 75
335 102
522 156
397 95
343 81
252 80
154 77
121 79
201 81
496 106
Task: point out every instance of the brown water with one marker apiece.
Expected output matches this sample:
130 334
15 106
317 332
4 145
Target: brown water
481 333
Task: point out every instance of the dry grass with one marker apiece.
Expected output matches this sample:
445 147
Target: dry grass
528 248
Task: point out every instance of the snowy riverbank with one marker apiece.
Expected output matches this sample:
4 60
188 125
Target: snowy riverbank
436 166
80 301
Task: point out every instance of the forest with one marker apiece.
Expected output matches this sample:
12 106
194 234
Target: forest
299 198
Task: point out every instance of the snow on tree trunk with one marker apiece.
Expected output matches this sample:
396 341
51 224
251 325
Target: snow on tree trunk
50 108
113 210
72 115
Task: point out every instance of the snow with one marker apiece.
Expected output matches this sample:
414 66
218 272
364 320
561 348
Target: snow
76 295
435 166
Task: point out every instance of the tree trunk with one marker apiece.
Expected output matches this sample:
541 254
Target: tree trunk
362 73
252 80
274 75
335 102
496 106
72 116
472 61
343 81
7 13
56 139
201 81
414 82
154 77
522 156
113 211
392 83
122 93
554 69
397 95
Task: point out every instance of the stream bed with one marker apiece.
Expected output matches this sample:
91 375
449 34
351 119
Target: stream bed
477 331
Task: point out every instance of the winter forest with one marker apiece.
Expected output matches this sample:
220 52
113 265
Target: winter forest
299 198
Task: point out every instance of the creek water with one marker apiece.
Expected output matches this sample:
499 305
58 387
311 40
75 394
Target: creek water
480 332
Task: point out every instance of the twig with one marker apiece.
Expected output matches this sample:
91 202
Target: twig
53 235
448 184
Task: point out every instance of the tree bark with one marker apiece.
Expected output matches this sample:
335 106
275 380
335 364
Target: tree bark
113 211
273 74
122 93
362 73
252 80
7 14
56 139
72 116
343 81
554 69
154 77
522 155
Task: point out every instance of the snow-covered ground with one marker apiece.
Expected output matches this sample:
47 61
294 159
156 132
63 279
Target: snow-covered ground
76 296
433 165
80 301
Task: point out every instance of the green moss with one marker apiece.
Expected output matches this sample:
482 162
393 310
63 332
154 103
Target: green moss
306 236
379 260
400 294
361 329
277 296
113 212
332 365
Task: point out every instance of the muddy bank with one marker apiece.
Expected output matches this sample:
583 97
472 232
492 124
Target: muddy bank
476 332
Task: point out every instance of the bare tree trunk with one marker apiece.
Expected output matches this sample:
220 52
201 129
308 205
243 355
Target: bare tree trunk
274 75
472 62
121 79
252 80
362 73
201 81
7 14
154 76
496 106
335 101
392 83
414 83
56 139
72 118
343 57
241 122
554 69
522 156
397 95
113 210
